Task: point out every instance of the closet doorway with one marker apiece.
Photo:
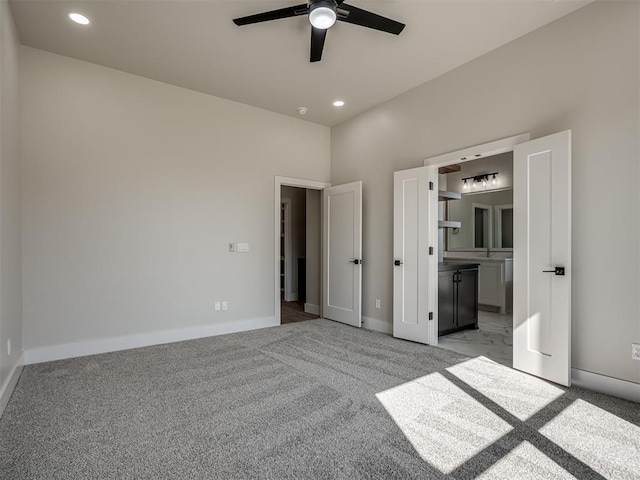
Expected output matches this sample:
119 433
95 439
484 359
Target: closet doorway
300 260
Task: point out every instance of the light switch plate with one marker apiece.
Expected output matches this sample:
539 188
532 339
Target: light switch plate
225 305
243 247
232 247
217 306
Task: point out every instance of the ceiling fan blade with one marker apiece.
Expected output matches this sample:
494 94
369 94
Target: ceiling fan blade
317 43
287 12
367 19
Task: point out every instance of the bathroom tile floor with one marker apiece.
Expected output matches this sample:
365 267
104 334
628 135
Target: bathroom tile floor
493 339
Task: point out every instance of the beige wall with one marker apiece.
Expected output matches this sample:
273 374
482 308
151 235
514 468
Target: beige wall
578 73
10 233
132 190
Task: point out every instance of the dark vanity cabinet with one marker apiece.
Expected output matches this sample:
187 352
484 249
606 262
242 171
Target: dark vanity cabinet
457 297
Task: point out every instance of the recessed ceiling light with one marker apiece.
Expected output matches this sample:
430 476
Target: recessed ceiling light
78 18
338 103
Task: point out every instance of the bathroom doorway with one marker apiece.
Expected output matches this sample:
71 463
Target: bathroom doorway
541 217
475 277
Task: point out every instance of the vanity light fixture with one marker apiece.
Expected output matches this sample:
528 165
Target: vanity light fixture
483 179
78 18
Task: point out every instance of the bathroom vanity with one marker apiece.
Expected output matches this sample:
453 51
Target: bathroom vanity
495 278
457 297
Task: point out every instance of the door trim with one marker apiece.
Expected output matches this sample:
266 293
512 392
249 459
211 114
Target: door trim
461 156
278 183
478 151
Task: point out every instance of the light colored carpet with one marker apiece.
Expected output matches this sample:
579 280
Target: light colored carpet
314 400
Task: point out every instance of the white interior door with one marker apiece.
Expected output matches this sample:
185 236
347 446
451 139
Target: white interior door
415 206
542 257
342 253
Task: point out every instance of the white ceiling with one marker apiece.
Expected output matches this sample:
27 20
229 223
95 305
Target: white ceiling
194 44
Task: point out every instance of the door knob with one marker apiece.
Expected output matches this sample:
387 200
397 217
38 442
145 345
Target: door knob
356 261
558 271
397 263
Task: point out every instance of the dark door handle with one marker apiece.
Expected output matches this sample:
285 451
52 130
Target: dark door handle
558 271
356 261
397 263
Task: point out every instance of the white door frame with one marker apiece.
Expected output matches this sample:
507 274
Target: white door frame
278 184
461 156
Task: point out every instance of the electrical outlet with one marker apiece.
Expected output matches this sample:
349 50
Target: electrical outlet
225 305
9 347
232 247
217 306
377 303
635 351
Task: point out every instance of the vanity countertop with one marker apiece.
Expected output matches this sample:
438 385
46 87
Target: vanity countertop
476 259
445 266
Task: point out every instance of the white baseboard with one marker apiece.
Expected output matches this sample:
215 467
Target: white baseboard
377 325
603 384
10 383
114 344
312 309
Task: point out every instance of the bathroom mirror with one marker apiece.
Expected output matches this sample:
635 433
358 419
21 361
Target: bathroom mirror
487 220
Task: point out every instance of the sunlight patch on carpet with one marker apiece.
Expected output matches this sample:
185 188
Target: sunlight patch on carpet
607 443
446 426
526 462
519 394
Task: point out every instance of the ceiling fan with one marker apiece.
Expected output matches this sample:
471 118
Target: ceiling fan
322 15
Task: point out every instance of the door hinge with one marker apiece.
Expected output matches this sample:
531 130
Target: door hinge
430 250
430 185
430 315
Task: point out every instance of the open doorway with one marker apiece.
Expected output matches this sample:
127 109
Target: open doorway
300 257
475 268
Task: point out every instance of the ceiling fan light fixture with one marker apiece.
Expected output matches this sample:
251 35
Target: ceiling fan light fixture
322 14
78 18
